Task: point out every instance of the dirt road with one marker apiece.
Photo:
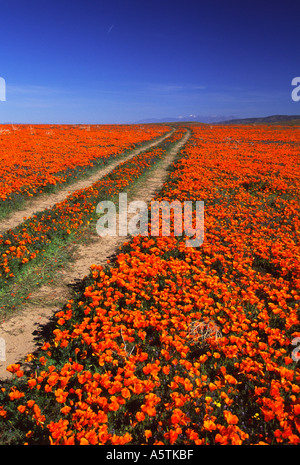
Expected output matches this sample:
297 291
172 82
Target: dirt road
22 332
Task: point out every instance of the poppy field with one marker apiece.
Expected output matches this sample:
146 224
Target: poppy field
168 344
20 246
36 158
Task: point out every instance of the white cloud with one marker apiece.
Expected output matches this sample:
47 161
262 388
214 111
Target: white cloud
110 29
31 89
173 88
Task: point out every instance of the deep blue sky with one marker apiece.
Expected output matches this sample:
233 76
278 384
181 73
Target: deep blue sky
114 61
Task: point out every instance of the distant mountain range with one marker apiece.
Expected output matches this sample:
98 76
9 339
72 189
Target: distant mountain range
194 118
264 119
223 119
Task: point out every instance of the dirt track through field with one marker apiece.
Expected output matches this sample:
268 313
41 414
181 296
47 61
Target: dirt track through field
22 332
44 201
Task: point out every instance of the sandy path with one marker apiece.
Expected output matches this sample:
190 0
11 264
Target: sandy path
44 201
22 332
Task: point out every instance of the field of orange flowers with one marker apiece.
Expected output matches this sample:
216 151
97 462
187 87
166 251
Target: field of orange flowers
20 246
36 157
174 345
